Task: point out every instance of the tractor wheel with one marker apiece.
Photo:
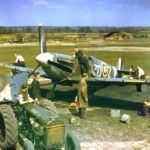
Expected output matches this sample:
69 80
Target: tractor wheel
28 145
72 142
8 128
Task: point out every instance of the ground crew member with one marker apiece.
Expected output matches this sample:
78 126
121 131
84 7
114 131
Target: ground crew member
83 61
82 98
146 109
132 70
19 60
138 72
23 96
36 93
35 87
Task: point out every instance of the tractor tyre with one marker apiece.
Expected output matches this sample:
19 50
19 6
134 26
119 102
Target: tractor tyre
8 128
28 145
72 141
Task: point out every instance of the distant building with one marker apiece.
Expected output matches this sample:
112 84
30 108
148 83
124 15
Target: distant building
118 36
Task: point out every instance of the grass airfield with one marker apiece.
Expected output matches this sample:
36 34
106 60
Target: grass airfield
100 131
133 51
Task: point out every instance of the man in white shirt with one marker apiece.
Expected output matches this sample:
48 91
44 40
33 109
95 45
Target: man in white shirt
19 60
23 96
138 72
141 73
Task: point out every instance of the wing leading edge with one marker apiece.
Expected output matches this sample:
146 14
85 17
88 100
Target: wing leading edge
23 69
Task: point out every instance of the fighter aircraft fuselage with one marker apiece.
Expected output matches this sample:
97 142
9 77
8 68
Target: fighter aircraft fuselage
59 66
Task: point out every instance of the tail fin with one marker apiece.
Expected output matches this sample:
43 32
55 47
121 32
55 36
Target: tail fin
42 39
120 67
120 63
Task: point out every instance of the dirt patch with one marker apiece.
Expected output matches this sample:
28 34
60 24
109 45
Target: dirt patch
129 145
33 44
100 131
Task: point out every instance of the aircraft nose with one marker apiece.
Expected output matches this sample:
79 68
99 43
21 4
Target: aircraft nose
44 57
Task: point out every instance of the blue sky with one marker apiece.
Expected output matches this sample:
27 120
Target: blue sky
75 12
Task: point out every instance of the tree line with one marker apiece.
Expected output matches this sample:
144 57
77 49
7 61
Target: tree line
87 29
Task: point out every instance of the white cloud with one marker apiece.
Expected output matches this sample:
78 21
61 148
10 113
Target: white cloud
77 0
54 6
119 5
46 3
101 3
41 2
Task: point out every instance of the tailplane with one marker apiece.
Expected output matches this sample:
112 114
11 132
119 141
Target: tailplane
120 67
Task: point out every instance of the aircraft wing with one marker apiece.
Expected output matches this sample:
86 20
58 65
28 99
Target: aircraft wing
113 81
23 69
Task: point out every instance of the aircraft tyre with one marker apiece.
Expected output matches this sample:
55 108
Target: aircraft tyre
28 145
72 141
8 128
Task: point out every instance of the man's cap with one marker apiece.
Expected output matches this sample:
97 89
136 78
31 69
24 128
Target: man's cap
24 86
36 73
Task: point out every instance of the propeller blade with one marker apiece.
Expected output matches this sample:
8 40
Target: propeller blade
60 66
42 40
33 70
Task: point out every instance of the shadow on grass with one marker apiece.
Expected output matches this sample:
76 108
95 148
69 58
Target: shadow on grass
101 101
115 103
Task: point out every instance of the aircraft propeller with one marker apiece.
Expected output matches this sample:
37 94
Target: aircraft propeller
34 70
42 42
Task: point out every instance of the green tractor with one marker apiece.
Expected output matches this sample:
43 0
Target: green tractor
33 126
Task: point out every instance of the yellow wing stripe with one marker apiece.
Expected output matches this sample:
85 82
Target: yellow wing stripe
136 81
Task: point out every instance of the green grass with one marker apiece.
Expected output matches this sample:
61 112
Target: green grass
30 52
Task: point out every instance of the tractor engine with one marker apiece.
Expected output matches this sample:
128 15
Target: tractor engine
48 129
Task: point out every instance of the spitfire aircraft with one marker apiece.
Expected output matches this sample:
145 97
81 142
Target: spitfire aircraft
65 70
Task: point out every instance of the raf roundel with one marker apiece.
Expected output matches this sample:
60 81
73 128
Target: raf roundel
105 70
